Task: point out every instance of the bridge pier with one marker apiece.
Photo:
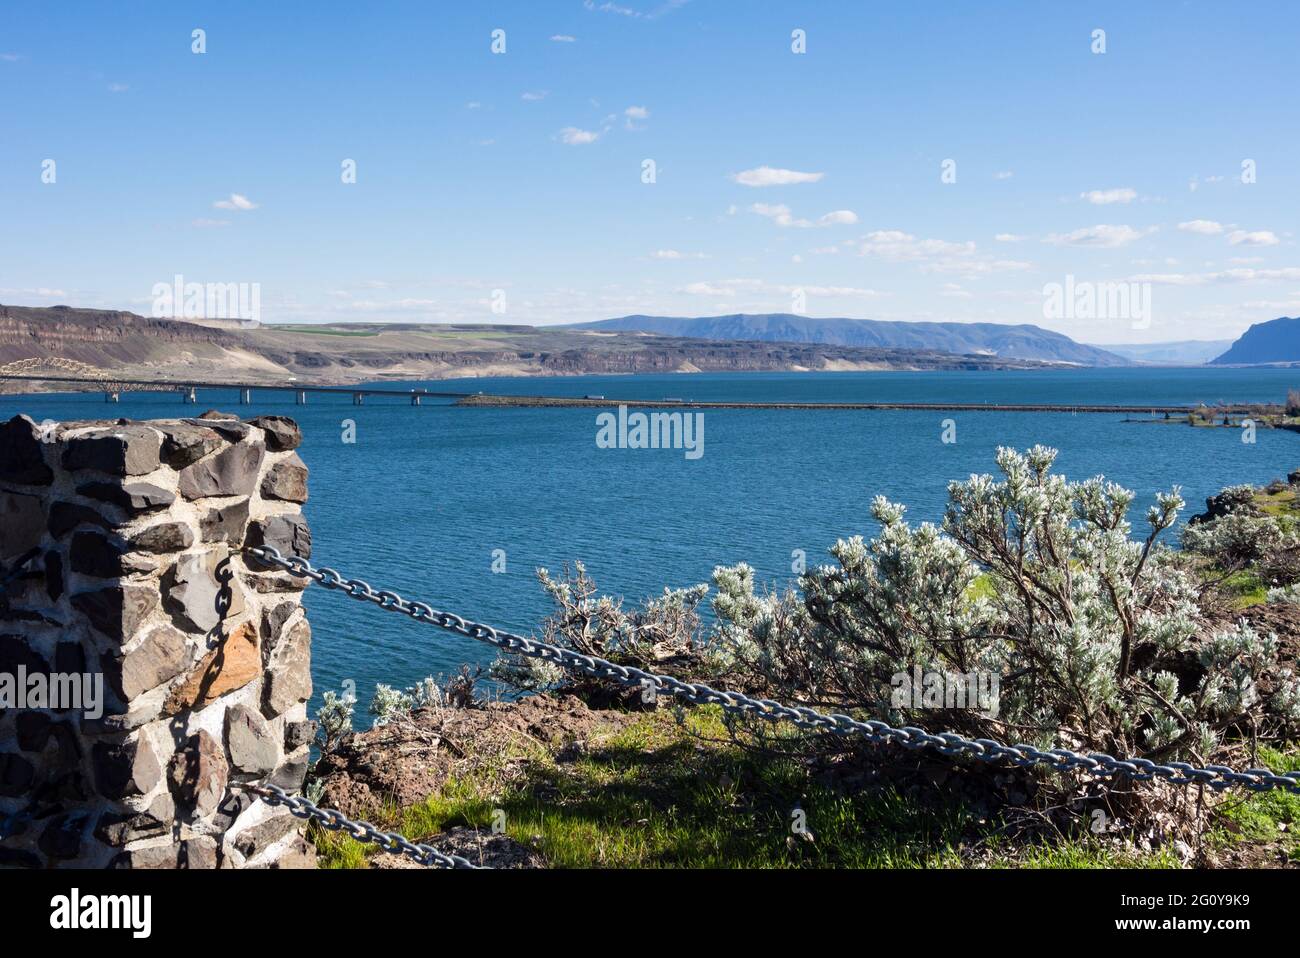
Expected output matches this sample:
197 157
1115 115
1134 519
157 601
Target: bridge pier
112 396
300 397
245 397
415 399
189 395
356 398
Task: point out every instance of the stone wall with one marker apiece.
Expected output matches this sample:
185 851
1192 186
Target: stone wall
121 564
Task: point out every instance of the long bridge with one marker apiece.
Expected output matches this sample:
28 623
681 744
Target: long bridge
188 389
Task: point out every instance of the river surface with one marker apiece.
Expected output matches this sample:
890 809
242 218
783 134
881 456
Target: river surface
423 499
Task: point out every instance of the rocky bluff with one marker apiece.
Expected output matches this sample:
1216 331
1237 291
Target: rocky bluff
121 559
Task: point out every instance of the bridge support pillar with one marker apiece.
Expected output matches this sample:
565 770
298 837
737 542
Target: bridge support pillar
415 399
112 396
356 398
300 397
187 704
246 397
189 395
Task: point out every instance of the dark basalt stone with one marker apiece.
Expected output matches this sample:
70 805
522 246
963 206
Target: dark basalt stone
123 769
22 456
227 424
166 537
126 451
286 480
66 516
62 836
119 828
225 523
134 497
282 433
118 610
231 472
289 535
186 443
96 555
54 584
16 774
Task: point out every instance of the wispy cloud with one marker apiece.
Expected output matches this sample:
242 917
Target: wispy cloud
663 9
1203 227
576 137
1003 175
771 176
1245 275
1256 238
563 38
534 95
1106 197
203 223
10 57
118 87
237 201
780 214
1102 235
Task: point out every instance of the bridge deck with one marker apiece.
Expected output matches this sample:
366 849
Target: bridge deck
486 400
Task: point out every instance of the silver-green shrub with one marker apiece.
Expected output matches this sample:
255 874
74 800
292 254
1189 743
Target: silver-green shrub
1034 579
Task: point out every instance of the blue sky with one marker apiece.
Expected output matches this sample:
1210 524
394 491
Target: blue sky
777 173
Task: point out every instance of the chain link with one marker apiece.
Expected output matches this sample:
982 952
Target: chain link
362 831
1217 777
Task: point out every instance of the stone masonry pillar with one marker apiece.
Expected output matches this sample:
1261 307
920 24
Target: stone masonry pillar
121 564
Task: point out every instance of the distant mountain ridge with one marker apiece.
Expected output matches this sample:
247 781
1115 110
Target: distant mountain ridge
1005 341
1276 341
1186 352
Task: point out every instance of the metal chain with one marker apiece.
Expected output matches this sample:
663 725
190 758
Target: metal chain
1217 777
362 831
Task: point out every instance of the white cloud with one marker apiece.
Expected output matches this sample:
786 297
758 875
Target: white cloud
708 289
236 202
1204 227
563 38
1106 197
1257 238
11 57
780 214
473 105
664 8
672 254
636 113
897 246
838 218
1009 238
770 176
1242 275
203 223
1003 175
118 87
533 96
1101 235
576 137
935 255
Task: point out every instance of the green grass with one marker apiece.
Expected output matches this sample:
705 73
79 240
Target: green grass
317 330
1246 589
656 796
1256 818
